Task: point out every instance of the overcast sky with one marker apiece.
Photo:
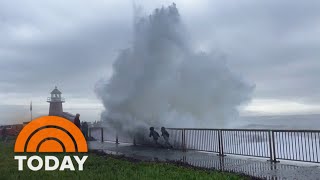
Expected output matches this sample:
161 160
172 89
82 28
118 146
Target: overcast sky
72 44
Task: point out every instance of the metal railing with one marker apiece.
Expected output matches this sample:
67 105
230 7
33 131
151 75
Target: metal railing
55 99
246 142
296 145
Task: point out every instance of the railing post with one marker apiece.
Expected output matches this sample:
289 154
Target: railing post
117 140
274 148
102 135
271 140
89 134
184 148
220 140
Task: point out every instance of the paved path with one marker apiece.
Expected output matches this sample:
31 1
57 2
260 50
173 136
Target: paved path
250 166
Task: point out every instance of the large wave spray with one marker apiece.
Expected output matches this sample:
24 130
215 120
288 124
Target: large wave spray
162 81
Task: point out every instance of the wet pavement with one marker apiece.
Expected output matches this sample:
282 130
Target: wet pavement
251 166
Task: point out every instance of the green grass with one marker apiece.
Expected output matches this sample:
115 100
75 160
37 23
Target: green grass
98 167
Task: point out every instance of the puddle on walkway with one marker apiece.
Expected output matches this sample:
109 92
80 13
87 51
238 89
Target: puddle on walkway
250 166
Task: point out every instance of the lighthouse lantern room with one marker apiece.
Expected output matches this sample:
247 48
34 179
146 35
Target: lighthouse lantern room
55 101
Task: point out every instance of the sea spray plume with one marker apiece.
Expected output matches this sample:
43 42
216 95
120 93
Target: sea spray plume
162 81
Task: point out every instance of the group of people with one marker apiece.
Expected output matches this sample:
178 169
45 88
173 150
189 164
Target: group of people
153 133
164 133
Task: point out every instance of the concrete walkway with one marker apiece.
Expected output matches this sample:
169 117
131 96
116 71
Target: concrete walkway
251 166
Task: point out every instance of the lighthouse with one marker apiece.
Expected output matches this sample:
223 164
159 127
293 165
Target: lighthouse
55 101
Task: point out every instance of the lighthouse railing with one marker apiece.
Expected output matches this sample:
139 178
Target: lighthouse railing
56 99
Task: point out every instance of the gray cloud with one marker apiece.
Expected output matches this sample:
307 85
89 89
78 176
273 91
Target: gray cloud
71 51
274 44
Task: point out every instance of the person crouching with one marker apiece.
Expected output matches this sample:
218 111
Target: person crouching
165 135
155 135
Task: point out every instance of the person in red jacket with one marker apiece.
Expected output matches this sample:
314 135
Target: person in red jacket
76 121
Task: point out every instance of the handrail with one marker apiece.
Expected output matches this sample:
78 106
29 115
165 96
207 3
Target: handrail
225 129
274 144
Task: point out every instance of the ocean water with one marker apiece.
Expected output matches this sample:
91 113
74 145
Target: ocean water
306 121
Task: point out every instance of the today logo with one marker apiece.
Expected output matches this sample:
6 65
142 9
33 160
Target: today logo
50 134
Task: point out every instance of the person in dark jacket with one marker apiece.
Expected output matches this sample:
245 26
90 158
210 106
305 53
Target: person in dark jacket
155 135
84 128
4 134
165 135
76 121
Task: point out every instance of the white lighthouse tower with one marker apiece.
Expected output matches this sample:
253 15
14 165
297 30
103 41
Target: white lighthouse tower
55 101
